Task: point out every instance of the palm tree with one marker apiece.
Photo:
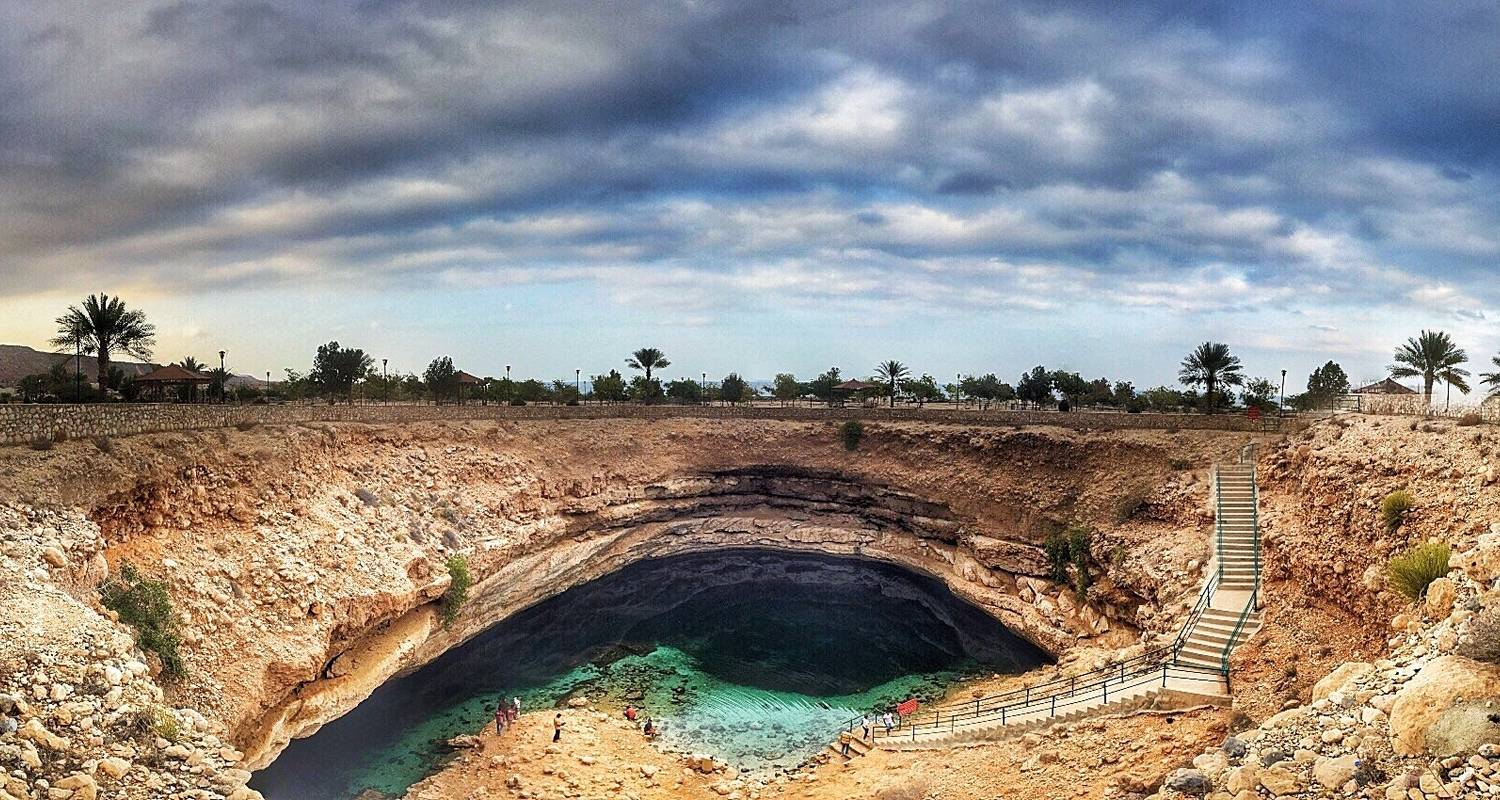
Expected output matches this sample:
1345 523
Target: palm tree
647 358
1492 379
102 325
1210 365
191 364
1433 356
892 372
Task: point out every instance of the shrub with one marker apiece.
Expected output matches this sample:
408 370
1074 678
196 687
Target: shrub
367 497
1069 549
457 592
41 443
1180 464
1482 642
244 425
1394 508
516 401
1411 572
146 606
1056 548
59 435
105 444
1470 419
851 433
164 724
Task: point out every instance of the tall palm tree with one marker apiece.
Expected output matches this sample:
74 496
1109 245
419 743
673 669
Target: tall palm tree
1210 365
648 358
1492 379
892 372
191 364
1433 356
104 326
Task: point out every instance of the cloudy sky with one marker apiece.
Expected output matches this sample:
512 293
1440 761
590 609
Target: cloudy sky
758 186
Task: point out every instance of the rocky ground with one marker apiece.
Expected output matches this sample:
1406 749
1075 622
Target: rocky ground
303 562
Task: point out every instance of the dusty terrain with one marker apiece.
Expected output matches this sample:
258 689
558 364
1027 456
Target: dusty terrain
304 560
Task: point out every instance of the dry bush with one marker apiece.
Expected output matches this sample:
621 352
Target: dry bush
59 435
105 444
909 790
1470 419
1395 507
244 425
41 443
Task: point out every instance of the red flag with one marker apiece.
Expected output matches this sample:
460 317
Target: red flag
908 707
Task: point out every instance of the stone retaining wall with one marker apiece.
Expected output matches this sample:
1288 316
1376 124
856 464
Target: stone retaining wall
20 424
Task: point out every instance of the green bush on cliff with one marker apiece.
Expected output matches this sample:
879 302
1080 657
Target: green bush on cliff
1412 571
146 606
457 592
1394 508
851 433
1069 549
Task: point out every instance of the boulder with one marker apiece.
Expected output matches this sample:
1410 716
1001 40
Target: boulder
1482 562
1335 772
1189 782
1279 781
1341 675
1424 699
1440 596
1464 728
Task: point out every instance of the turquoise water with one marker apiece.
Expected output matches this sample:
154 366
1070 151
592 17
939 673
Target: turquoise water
753 657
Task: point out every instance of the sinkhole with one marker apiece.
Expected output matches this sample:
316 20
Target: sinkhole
754 656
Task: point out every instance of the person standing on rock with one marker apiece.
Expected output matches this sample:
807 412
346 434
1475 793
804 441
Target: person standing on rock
557 726
515 709
502 714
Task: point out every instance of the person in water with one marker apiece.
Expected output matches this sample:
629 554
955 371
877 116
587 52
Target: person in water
649 728
557 726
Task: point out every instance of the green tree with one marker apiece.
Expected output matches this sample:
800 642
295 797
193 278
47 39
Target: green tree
648 359
1492 379
336 369
191 364
1035 386
924 390
1259 393
1163 398
1433 356
565 393
1211 366
1123 393
822 386
608 388
102 326
786 388
684 391
441 378
733 389
1325 384
891 372
1070 385
645 390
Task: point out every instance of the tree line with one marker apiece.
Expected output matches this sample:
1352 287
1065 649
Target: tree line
1210 376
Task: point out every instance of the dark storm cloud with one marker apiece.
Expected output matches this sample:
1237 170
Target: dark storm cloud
1154 153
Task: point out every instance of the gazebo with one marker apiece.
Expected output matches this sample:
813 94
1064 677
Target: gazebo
850 387
172 375
465 379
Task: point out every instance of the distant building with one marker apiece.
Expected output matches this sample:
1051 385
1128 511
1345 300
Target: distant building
1388 397
1387 386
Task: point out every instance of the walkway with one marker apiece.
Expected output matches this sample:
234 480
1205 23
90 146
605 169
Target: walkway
1195 664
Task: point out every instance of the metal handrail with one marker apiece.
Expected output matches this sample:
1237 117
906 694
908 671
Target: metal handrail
1218 524
1246 456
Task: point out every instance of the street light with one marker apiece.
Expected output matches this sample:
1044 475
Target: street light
578 381
507 372
958 379
1281 408
223 377
385 381
705 387
268 386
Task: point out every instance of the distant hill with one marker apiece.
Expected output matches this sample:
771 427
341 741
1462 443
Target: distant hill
18 361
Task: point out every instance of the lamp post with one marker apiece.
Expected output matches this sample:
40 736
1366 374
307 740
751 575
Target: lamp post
507 373
704 384
578 382
958 380
268 385
78 367
1281 407
385 381
223 377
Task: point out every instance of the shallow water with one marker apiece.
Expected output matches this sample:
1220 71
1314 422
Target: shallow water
755 657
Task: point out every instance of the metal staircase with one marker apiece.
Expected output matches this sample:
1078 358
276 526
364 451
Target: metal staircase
1195 663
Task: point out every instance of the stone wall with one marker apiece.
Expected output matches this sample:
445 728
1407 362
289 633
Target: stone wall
20 423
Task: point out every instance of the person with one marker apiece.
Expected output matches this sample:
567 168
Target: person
502 714
515 708
557 726
890 722
649 728
630 713
844 739
864 722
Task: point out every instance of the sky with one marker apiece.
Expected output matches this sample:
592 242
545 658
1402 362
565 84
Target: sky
758 187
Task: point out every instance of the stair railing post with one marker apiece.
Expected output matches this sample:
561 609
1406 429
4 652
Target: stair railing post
1054 705
1163 676
1106 691
1002 716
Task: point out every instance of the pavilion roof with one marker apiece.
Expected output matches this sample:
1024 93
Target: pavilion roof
172 373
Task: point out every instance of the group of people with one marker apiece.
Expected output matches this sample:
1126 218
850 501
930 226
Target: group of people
648 727
506 713
867 724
